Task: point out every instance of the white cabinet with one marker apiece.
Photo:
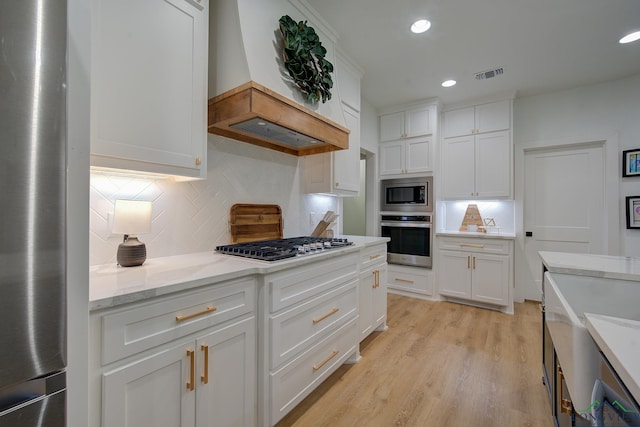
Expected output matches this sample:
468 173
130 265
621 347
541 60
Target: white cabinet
477 166
490 117
336 173
149 86
311 317
406 156
477 270
415 282
373 290
409 123
184 360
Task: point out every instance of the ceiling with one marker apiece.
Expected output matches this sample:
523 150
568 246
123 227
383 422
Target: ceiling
543 45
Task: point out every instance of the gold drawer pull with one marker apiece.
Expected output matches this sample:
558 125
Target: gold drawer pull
320 319
191 384
325 361
205 377
472 245
209 309
375 256
397 279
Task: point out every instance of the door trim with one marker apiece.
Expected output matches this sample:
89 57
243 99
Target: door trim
610 143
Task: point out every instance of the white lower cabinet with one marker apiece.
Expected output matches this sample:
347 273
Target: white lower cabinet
372 290
193 361
312 320
410 281
477 270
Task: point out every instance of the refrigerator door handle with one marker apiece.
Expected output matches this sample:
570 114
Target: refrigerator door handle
21 394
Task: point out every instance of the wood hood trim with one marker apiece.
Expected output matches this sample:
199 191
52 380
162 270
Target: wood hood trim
252 100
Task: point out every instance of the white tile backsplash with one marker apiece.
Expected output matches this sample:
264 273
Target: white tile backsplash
193 216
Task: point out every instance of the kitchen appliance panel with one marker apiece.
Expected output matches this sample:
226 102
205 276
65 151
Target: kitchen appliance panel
32 190
407 194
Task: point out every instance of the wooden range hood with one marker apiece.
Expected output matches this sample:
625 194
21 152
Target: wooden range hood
254 114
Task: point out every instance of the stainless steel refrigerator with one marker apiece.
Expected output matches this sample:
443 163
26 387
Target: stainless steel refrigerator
33 45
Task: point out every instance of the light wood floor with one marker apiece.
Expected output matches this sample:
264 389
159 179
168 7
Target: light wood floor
438 364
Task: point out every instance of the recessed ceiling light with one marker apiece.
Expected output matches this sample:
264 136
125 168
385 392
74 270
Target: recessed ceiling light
420 26
630 37
448 83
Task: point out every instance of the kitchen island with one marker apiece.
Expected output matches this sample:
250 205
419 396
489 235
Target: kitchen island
589 306
195 337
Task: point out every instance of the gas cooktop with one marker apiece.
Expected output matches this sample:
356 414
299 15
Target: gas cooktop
274 250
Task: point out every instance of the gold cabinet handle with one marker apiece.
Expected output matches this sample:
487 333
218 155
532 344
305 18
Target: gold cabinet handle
205 377
182 318
376 279
198 159
320 319
397 279
474 263
468 261
325 361
472 245
191 384
374 256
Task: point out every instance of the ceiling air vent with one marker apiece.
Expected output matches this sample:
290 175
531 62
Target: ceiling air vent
489 73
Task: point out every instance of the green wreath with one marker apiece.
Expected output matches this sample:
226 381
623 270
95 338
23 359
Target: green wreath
304 59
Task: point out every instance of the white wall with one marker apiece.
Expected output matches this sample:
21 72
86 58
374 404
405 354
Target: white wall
607 111
193 216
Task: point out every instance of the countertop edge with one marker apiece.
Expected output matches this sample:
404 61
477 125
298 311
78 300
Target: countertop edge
594 324
593 265
112 286
475 235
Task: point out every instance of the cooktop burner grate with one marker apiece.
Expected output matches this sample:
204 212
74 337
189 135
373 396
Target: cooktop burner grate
275 250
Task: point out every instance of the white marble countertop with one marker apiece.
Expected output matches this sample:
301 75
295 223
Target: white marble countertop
619 341
475 234
604 266
111 285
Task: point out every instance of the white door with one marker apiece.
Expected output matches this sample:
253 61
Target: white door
563 204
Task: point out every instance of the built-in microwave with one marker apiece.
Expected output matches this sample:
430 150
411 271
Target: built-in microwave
407 194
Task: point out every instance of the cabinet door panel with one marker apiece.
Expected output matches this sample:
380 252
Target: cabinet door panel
418 155
493 117
150 392
392 158
365 297
229 396
459 122
380 296
458 168
346 168
490 278
493 164
418 122
391 126
455 274
149 82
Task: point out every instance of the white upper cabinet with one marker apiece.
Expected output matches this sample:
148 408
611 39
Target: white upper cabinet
149 86
338 172
409 123
490 117
406 157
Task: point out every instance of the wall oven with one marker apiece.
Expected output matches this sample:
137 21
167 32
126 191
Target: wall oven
411 239
407 194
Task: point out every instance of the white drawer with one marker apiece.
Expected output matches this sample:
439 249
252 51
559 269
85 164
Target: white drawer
410 279
490 246
373 255
297 284
144 326
298 328
296 380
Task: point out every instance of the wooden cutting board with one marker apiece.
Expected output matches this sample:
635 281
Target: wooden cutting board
253 222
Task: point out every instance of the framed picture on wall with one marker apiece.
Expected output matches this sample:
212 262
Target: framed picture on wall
631 162
633 212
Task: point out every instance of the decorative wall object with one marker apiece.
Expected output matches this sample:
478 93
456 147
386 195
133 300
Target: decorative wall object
633 212
304 59
631 162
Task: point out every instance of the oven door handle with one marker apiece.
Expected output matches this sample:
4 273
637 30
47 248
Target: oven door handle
405 224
